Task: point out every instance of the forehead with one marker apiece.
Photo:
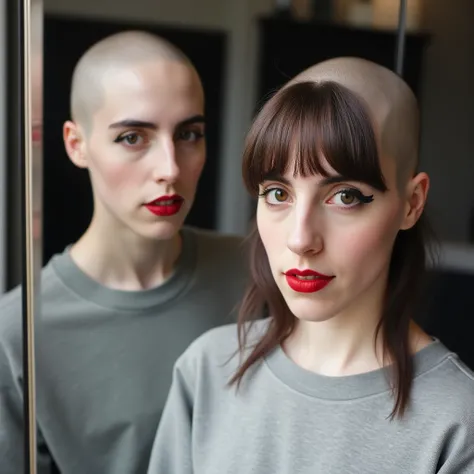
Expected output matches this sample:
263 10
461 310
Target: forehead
161 91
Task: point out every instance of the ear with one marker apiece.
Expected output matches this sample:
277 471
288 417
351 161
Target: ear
417 194
74 143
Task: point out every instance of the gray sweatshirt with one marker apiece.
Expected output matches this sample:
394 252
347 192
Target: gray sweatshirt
286 420
104 358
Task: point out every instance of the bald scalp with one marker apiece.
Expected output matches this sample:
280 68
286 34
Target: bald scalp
116 52
390 103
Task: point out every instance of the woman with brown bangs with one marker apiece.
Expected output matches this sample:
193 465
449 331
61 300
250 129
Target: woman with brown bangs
338 378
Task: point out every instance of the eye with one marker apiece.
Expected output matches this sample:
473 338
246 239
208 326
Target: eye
190 135
275 196
346 198
130 139
349 198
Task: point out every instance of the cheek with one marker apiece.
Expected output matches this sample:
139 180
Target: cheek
117 176
197 168
114 176
191 171
366 245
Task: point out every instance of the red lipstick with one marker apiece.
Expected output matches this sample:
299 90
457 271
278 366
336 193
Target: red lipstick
306 281
165 205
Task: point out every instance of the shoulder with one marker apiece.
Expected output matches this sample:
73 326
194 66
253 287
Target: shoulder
460 380
453 373
448 389
11 305
451 402
218 349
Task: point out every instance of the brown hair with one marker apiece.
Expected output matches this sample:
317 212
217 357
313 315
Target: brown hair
316 120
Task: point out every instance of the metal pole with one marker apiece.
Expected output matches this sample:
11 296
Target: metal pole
30 31
401 33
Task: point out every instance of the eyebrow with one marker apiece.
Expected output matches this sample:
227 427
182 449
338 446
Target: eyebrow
153 126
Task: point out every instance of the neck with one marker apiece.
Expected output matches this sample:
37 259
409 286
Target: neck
345 344
336 347
123 260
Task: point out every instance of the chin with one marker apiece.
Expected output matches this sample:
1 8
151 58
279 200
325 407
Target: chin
162 230
311 311
317 307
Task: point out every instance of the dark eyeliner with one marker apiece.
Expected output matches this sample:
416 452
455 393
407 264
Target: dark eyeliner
122 137
358 195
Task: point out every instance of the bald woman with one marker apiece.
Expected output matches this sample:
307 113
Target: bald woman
123 302
339 379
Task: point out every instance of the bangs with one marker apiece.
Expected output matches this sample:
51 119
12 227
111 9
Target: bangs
308 125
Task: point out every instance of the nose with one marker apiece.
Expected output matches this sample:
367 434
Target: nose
165 166
305 235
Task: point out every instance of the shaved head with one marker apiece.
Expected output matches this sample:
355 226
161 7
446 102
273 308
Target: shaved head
109 56
390 103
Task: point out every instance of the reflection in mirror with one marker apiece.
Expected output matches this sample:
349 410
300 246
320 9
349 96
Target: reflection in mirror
127 293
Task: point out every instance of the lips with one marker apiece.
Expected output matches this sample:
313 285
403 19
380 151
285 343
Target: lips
165 205
306 281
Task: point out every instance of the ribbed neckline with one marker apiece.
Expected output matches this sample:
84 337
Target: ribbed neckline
347 387
89 289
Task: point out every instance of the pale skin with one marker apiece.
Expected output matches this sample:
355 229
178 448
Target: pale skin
138 128
305 223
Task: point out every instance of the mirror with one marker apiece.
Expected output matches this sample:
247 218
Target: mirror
22 225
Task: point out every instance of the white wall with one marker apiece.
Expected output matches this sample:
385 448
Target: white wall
235 16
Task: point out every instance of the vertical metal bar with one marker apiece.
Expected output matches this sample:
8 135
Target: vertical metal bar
29 397
30 65
401 34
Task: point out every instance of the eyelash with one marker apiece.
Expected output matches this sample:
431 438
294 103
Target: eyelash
123 137
361 198
198 135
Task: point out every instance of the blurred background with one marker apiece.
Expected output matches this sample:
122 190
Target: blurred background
244 50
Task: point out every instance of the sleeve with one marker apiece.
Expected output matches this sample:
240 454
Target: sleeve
460 457
12 442
172 447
